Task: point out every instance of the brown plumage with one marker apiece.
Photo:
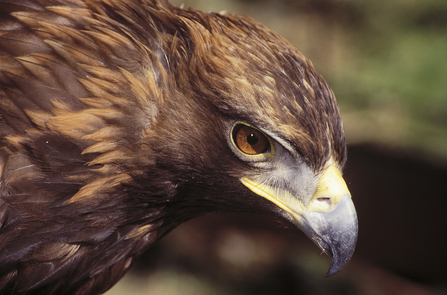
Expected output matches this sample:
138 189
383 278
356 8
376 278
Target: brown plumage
116 125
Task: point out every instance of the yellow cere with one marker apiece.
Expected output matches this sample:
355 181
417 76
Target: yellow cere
330 189
331 186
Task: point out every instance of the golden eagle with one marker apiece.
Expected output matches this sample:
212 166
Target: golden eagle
121 119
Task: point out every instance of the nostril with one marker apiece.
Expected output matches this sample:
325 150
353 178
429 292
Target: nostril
321 204
325 199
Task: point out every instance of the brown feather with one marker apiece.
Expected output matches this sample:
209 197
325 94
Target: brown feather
112 117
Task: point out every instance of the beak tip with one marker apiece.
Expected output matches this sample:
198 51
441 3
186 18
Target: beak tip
341 254
331 272
335 232
337 264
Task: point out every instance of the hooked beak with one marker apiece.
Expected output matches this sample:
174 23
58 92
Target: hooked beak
329 219
335 232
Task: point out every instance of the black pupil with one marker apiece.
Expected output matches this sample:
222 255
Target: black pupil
252 139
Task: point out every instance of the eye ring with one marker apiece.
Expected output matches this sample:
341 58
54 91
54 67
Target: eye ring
249 140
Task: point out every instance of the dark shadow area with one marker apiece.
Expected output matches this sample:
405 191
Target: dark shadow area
401 204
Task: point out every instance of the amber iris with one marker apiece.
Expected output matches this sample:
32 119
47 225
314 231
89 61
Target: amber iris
250 140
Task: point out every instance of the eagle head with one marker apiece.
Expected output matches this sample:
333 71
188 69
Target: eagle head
121 119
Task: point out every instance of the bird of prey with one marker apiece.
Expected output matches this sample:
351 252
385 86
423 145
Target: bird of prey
121 119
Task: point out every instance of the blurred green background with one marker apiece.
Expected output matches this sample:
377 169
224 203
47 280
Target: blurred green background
387 64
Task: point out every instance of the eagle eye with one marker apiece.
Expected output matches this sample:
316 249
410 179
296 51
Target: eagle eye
249 140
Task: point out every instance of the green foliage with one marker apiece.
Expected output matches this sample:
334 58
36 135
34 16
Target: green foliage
400 66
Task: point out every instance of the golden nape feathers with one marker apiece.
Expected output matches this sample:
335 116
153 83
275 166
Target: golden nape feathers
121 119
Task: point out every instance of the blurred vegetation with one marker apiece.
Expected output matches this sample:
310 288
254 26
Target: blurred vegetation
394 90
